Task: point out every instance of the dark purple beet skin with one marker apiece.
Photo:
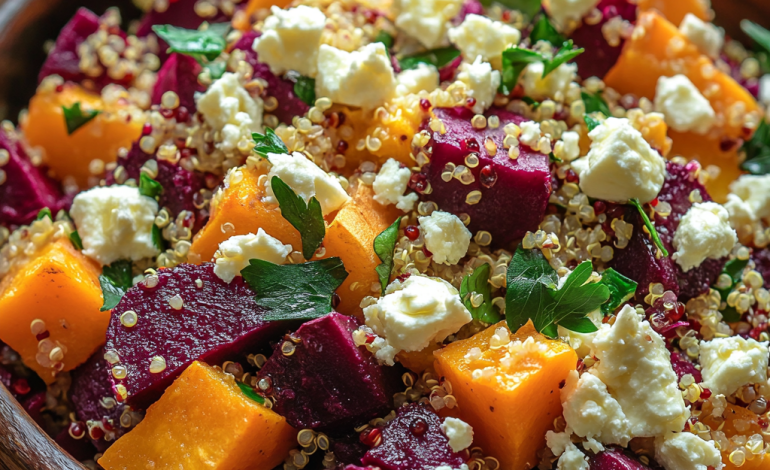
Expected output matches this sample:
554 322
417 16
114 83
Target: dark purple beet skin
180 75
683 366
599 56
616 459
761 258
348 451
413 441
328 383
518 189
79 449
218 321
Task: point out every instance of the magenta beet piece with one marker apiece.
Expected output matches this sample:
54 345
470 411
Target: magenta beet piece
615 459
599 55
761 257
348 450
469 7
180 75
79 449
328 382
34 405
217 321
683 366
518 188
413 441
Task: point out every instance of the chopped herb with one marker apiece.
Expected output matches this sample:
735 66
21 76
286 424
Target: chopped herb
436 57
149 187
515 60
757 151
760 35
249 392
44 212
157 238
216 69
115 280
563 55
650 227
554 159
529 8
295 291
545 31
75 118
384 245
595 104
304 88
385 38
307 218
591 122
76 240
531 102
621 290
268 143
208 43
477 282
734 270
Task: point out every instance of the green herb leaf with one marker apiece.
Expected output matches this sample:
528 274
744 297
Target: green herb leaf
545 31
249 392
565 54
529 8
531 102
436 57
304 88
515 60
75 118
621 290
478 282
757 151
649 225
77 242
384 245
734 269
268 143
115 280
553 158
208 43
295 291
44 212
530 277
756 32
595 104
591 122
149 187
216 69
307 218
385 38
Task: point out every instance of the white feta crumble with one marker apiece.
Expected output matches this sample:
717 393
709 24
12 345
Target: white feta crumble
290 40
704 232
361 78
481 80
730 363
706 37
306 179
115 222
234 253
621 165
424 77
570 457
478 36
459 433
591 412
687 451
568 148
741 212
413 314
683 105
230 110
426 20
391 183
562 11
755 191
530 134
445 236
764 88
556 82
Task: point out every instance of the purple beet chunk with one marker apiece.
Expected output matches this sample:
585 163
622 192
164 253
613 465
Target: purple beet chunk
469 7
615 459
180 75
217 321
761 257
289 105
520 188
328 383
599 55
403 447
683 366
34 405
348 450
79 449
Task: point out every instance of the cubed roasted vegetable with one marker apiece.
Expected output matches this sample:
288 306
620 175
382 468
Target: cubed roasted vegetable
676 11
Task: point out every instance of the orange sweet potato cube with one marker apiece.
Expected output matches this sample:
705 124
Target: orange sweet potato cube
204 420
675 11
60 288
736 417
516 399
242 18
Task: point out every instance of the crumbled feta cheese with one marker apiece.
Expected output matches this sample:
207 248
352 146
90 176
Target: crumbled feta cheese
764 88
683 105
556 82
530 134
235 252
115 222
459 433
686 451
562 11
621 165
230 110
706 37
569 148
390 184
570 457
307 180
591 412
424 77
290 40
755 191
704 232
361 78
635 365
741 213
481 80
730 363
479 36
413 314
445 236
426 20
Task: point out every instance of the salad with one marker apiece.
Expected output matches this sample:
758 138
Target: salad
394 235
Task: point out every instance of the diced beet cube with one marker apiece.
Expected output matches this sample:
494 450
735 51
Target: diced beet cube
599 55
34 405
469 7
615 459
180 75
79 449
348 450
683 366
517 188
216 321
328 382
413 441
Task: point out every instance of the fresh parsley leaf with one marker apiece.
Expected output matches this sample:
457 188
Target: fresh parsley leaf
115 280
554 159
307 218
478 282
384 245
385 38
564 54
44 212
734 269
756 32
595 104
529 279
576 299
75 118
515 60
621 290
157 238
77 242
208 43
295 291
216 69
304 88
249 392
649 225
591 122
757 166
436 57
757 150
149 187
268 143
545 31
531 102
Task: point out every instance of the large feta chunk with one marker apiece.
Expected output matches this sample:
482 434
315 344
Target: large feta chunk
706 37
621 165
413 314
424 77
730 363
553 86
704 232
564 11
478 36
234 253
426 20
230 110
459 433
755 191
306 179
445 236
361 78
391 183
686 451
481 80
591 412
290 40
683 105
115 222
741 212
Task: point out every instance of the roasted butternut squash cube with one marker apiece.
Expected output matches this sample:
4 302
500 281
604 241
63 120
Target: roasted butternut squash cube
509 393
676 11
204 420
49 309
735 418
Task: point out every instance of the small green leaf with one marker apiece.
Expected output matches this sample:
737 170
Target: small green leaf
734 270
545 31
595 104
757 166
208 43
529 277
436 57
307 218
384 245
115 281
76 241
268 143
650 227
149 187
529 8
295 291
563 55
216 69
515 60
532 103
249 392
157 238
477 282
553 158
621 290
591 122
75 118
757 151
756 32
304 88
44 212
385 38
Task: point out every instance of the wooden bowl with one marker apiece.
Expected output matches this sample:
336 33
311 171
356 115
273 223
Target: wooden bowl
24 26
